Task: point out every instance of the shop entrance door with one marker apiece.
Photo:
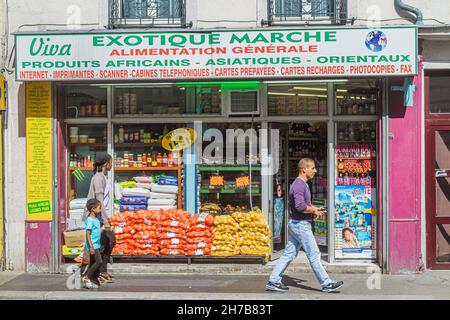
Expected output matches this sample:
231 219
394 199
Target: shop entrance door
298 140
438 197
278 189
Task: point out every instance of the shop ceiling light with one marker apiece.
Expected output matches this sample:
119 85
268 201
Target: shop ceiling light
299 94
312 95
317 89
306 81
281 94
310 89
156 84
230 85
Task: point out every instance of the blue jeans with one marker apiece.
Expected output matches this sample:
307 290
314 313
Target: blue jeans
300 235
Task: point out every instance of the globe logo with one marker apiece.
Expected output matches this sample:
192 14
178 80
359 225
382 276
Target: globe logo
376 41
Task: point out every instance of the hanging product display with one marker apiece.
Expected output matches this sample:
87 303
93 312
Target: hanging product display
278 208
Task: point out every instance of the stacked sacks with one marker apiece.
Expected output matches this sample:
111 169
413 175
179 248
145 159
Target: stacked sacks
76 212
200 235
136 233
123 228
143 182
133 203
146 238
134 199
226 242
254 234
173 232
164 193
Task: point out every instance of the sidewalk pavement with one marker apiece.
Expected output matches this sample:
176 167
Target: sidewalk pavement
299 265
303 286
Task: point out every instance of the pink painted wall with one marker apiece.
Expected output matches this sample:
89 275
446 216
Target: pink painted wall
404 180
38 246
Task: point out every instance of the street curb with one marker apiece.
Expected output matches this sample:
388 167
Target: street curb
98 295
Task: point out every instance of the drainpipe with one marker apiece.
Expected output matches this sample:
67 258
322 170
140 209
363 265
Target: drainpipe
419 16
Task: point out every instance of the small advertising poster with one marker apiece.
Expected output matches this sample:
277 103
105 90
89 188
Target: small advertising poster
355 222
321 225
278 210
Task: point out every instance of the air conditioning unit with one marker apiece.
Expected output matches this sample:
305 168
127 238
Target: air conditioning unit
244 103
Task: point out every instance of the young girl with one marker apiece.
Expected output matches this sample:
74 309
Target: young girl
93 234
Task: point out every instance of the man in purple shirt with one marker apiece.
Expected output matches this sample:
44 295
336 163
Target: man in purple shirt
301 213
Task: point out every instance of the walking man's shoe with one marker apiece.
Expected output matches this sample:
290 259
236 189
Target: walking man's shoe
333 286
280 287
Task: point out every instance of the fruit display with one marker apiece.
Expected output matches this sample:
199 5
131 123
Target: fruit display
211 208
254 234
177 232
226 242
229 209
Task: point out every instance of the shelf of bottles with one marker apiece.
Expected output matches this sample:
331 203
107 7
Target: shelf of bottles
140 148
83 143
309 140
84 101
356 154
138 152
360 105
297 100
167 99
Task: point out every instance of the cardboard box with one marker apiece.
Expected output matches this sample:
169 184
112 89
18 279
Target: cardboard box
74 238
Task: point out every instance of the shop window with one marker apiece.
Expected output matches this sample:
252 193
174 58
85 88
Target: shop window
230 172
84 101
297 99
244 102
331 11
355 216
439 94
442 162
144 161
84 141
138 13
356 98
309 140
207 100
167 99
